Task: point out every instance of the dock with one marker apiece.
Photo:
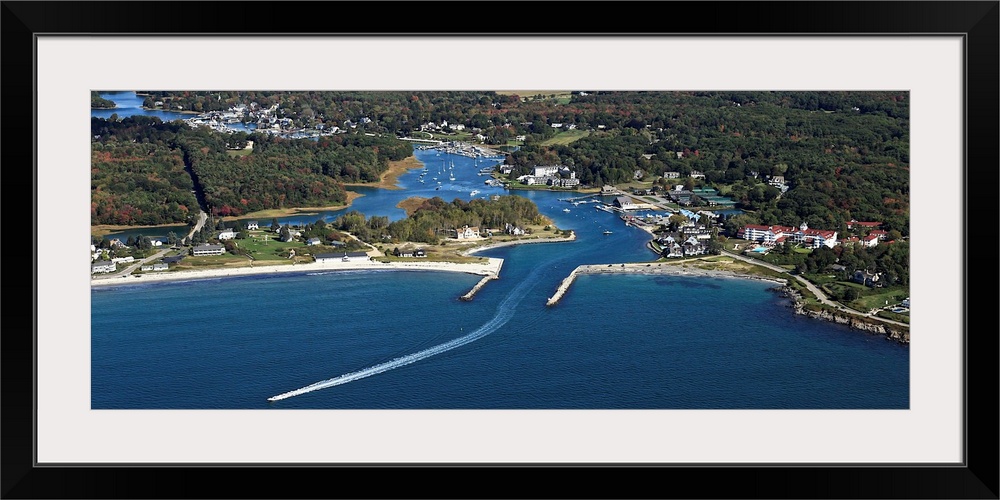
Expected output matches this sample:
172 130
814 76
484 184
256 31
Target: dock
563 287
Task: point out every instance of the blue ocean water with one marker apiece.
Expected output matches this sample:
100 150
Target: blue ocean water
612 342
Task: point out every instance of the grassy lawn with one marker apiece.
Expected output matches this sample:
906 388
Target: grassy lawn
802 250
878 297
902 318
238 152
563 138
724 263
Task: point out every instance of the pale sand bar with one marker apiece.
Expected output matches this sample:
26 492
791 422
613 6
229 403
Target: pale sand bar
492 267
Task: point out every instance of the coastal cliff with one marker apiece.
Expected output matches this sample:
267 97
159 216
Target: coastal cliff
891 332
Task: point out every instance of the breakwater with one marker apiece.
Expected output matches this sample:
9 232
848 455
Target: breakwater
647 268
472 293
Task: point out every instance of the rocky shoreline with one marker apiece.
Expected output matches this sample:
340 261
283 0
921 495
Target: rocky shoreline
890 332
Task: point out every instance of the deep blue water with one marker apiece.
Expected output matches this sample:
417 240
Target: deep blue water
130 104
613 342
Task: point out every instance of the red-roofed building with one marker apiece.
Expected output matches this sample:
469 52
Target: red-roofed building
772 235
870 241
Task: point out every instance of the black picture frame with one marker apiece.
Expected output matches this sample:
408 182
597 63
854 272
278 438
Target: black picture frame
977 477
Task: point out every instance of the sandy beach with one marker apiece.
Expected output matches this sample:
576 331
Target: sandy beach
490 246
492 267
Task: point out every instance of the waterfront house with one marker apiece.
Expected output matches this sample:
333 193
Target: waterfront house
208 249
675 250
342 257
866 278
123 260
513 230
159 266
693 247
116 243
227 234
467 232
253 225
102 266
419 253
624 203
173 260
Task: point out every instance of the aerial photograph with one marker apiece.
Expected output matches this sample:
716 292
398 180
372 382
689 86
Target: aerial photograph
522 249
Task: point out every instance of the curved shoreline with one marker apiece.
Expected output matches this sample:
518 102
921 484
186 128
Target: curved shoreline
501 244
491 267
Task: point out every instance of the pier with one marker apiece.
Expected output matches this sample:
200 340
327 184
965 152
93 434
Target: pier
566 282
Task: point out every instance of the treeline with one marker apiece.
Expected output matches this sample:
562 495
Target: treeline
278 173
140 184
843 154
98 102
436 219
891 260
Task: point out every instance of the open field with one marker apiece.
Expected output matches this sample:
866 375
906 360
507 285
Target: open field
563 138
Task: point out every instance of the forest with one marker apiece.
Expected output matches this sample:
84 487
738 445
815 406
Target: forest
842 155
435 218
145 171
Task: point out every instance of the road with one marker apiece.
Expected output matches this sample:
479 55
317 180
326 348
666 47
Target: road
133 266
202 217
822 297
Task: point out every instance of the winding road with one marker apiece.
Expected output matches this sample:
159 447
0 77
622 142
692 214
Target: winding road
813 288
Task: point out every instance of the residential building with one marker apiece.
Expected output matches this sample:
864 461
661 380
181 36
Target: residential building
624 203
208 249
159 266
342 257
467 232
102 266
671 175
227 234
253 225
312 241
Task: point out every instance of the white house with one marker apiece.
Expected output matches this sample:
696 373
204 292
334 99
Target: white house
312 241
467 232
227 234
624 203
253 225
159 266
123 260
344 257
102 266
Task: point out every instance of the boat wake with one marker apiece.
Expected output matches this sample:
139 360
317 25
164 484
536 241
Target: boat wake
505 311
